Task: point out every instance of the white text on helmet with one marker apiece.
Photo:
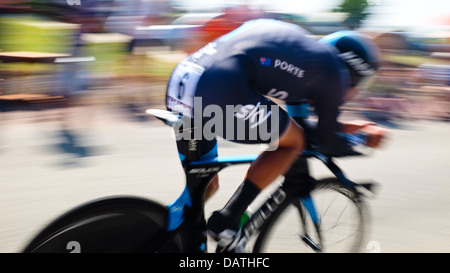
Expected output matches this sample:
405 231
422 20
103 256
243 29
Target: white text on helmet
357 63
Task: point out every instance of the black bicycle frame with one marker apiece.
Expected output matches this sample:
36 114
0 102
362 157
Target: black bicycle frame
296 188
186 213
188 210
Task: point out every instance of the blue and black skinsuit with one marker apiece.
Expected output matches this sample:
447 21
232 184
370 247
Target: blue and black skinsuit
243 69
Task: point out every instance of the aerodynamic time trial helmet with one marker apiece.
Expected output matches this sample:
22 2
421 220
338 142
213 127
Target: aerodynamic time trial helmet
360 53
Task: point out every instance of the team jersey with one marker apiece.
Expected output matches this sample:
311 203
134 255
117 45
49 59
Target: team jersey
277 60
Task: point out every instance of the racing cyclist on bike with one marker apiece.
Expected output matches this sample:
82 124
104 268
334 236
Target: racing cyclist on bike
265 59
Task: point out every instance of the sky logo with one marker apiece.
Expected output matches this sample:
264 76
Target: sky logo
73 2
265 61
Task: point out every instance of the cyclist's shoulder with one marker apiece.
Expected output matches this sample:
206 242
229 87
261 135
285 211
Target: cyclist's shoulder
265 40
263 32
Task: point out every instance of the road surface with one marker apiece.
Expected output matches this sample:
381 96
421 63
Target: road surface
48 167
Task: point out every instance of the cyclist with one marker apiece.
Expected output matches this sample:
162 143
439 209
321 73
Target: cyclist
241 70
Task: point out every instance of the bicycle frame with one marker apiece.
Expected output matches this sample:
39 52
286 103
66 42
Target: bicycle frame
284 194
147 226
188 208
198 176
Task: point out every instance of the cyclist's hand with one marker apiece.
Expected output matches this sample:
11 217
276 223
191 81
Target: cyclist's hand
355 125
375 135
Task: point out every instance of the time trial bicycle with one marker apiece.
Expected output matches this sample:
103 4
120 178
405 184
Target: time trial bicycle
325 215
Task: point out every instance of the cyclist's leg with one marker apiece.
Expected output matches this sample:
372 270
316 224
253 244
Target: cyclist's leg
179 98
212 188
205 149
272 163
253 116
263 171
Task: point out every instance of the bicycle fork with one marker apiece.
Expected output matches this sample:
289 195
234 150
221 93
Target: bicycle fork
308 204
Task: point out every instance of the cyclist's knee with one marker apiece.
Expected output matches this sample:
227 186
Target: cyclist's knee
293 137
213 187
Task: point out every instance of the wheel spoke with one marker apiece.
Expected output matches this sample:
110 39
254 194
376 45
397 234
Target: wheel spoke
340 228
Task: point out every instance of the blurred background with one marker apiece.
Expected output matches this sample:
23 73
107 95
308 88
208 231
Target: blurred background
77 76
106 44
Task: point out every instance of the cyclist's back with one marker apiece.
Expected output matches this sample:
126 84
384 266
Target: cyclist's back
270 58
274 54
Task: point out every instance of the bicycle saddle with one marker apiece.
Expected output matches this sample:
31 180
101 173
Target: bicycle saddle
167 117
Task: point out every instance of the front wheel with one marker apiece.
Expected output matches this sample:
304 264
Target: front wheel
116 224
340 227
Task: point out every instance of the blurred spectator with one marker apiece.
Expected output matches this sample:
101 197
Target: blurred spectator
126 15
433 74
232 18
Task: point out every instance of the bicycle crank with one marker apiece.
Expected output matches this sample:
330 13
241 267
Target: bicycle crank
305 238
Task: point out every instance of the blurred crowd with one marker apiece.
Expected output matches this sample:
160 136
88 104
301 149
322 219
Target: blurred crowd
76 77
127 49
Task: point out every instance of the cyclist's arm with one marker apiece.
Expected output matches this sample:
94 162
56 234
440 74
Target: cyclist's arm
328 101
367 135
311 131
355 125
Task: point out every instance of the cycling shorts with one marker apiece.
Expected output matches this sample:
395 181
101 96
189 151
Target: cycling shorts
221 102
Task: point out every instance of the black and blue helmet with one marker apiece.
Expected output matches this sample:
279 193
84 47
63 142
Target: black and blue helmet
360 53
